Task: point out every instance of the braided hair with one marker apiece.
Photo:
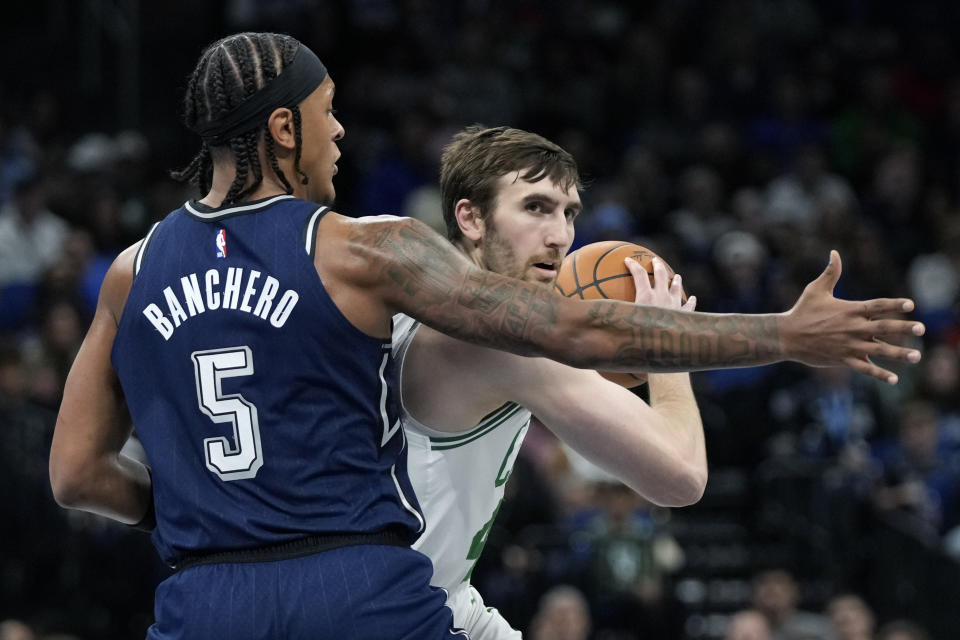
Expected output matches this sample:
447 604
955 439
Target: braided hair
229 71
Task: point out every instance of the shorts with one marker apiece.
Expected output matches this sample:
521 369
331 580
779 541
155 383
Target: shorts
479 621
362 592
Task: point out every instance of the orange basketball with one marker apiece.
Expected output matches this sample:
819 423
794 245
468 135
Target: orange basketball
596 271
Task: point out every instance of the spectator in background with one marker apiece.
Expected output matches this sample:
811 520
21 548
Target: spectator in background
403 168
827 413
798 198
894 200
699 221
27 427
871 125
52 350
31 528
18 155
741 261
31 236
562 614
12 629
851 617
643 186
777 595
631 559
789 125
934 281
821 469
902 630
748 624
918 480
870 263
938 381
674 132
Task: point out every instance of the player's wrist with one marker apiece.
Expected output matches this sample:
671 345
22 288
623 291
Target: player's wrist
784 344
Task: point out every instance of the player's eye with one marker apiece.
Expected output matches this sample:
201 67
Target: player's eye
534 206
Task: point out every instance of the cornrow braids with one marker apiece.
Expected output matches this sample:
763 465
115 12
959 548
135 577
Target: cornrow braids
298 138
229 71
273 164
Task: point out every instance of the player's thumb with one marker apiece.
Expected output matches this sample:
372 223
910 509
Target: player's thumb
831 275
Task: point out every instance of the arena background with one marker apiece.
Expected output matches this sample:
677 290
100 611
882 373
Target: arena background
741 139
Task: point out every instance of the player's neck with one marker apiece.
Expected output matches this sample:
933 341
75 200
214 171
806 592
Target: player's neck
473 253
222 181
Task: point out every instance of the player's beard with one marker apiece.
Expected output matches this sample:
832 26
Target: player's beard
498 256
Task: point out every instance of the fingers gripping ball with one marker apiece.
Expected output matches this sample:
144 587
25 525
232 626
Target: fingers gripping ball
597 271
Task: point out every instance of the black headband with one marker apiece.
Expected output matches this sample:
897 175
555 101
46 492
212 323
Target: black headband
296 81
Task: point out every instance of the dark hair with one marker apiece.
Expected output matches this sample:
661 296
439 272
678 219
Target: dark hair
229 71
478 156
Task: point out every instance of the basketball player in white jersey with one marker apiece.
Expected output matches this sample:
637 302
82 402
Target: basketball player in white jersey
510 198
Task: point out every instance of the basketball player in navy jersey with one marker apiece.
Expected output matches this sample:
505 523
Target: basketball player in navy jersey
248 336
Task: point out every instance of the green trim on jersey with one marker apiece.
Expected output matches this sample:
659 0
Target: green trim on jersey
490 422
504 467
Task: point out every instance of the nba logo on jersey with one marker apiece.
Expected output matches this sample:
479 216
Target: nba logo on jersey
222 243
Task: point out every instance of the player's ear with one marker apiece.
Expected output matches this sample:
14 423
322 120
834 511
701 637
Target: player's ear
280 126
469 220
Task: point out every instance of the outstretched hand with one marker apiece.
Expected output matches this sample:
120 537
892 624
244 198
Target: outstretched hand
821 330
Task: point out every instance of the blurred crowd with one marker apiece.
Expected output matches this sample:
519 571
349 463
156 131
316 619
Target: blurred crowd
740 139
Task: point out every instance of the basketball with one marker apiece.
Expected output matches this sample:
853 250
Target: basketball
597 271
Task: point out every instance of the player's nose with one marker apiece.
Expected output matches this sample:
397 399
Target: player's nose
559 234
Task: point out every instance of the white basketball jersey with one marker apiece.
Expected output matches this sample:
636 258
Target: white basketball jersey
458 478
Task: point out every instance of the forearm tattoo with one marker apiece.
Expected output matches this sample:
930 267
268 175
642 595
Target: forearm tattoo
437 285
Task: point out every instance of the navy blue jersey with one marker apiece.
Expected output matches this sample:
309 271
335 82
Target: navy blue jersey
265 414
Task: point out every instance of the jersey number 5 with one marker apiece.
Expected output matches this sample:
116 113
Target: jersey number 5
227 461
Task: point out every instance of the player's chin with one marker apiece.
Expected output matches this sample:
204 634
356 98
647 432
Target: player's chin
541 281
326 196
541 276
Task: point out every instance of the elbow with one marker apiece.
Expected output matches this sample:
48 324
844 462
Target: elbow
66 491
686 488
696 484
66 480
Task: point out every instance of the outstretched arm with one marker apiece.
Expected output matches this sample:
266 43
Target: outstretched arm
415 271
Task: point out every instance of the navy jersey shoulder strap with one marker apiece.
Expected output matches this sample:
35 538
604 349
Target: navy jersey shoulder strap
310 231
138 261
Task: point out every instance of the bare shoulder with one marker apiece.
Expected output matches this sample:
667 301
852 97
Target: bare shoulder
361 249
116 284
348 259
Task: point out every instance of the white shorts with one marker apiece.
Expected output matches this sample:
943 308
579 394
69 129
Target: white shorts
479 621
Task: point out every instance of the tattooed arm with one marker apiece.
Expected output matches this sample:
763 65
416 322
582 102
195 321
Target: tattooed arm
381 265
